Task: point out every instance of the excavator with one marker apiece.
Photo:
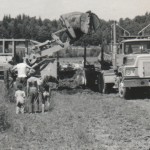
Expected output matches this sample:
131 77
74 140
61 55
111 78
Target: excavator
75 25
39 55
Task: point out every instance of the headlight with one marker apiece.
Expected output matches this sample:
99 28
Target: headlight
130 72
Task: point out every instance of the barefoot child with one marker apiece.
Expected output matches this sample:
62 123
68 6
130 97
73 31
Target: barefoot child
20 100
46 98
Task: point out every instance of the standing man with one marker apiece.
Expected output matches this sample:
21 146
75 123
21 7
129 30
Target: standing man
22 71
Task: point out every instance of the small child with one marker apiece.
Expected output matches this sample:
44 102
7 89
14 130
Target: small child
46 98
20 100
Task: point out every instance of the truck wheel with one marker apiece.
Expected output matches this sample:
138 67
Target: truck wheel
123 91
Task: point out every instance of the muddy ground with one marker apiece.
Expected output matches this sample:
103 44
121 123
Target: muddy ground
79 120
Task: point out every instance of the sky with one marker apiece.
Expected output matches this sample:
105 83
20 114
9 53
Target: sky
52 9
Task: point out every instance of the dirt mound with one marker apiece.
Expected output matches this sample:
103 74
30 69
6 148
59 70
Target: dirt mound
67 84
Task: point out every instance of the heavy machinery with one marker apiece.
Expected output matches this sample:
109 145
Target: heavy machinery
126 65
38 55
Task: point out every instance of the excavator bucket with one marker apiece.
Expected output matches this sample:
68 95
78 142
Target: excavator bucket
78 23
94 22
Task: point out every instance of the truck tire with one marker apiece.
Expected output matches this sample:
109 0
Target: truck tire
124 92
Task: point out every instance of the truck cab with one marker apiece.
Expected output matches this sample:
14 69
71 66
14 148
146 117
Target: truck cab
129 49
133 65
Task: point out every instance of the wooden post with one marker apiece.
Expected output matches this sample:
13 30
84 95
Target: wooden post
57 65
14 52
84 54
27 47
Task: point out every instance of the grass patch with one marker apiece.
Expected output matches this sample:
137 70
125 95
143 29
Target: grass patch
4 118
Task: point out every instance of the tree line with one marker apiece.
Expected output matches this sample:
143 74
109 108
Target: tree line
24 26
27 27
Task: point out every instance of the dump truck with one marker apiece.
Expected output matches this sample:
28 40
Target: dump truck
125 65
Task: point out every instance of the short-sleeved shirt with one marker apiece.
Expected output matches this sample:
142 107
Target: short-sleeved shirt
20 96
22 70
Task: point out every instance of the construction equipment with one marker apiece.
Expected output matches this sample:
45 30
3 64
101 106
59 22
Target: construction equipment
75 24
38 55
125 65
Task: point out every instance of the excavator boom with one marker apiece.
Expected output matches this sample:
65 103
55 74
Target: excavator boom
75 24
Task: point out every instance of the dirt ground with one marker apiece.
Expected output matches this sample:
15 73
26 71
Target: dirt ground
80 120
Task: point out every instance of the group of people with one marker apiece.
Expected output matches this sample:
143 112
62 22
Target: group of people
31 91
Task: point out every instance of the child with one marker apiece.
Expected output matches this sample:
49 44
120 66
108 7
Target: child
20 99
46 98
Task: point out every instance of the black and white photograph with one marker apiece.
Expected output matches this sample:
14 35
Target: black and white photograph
74 74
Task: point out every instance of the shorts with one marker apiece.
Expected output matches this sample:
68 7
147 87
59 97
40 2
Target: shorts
20 108
21 80
33 96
